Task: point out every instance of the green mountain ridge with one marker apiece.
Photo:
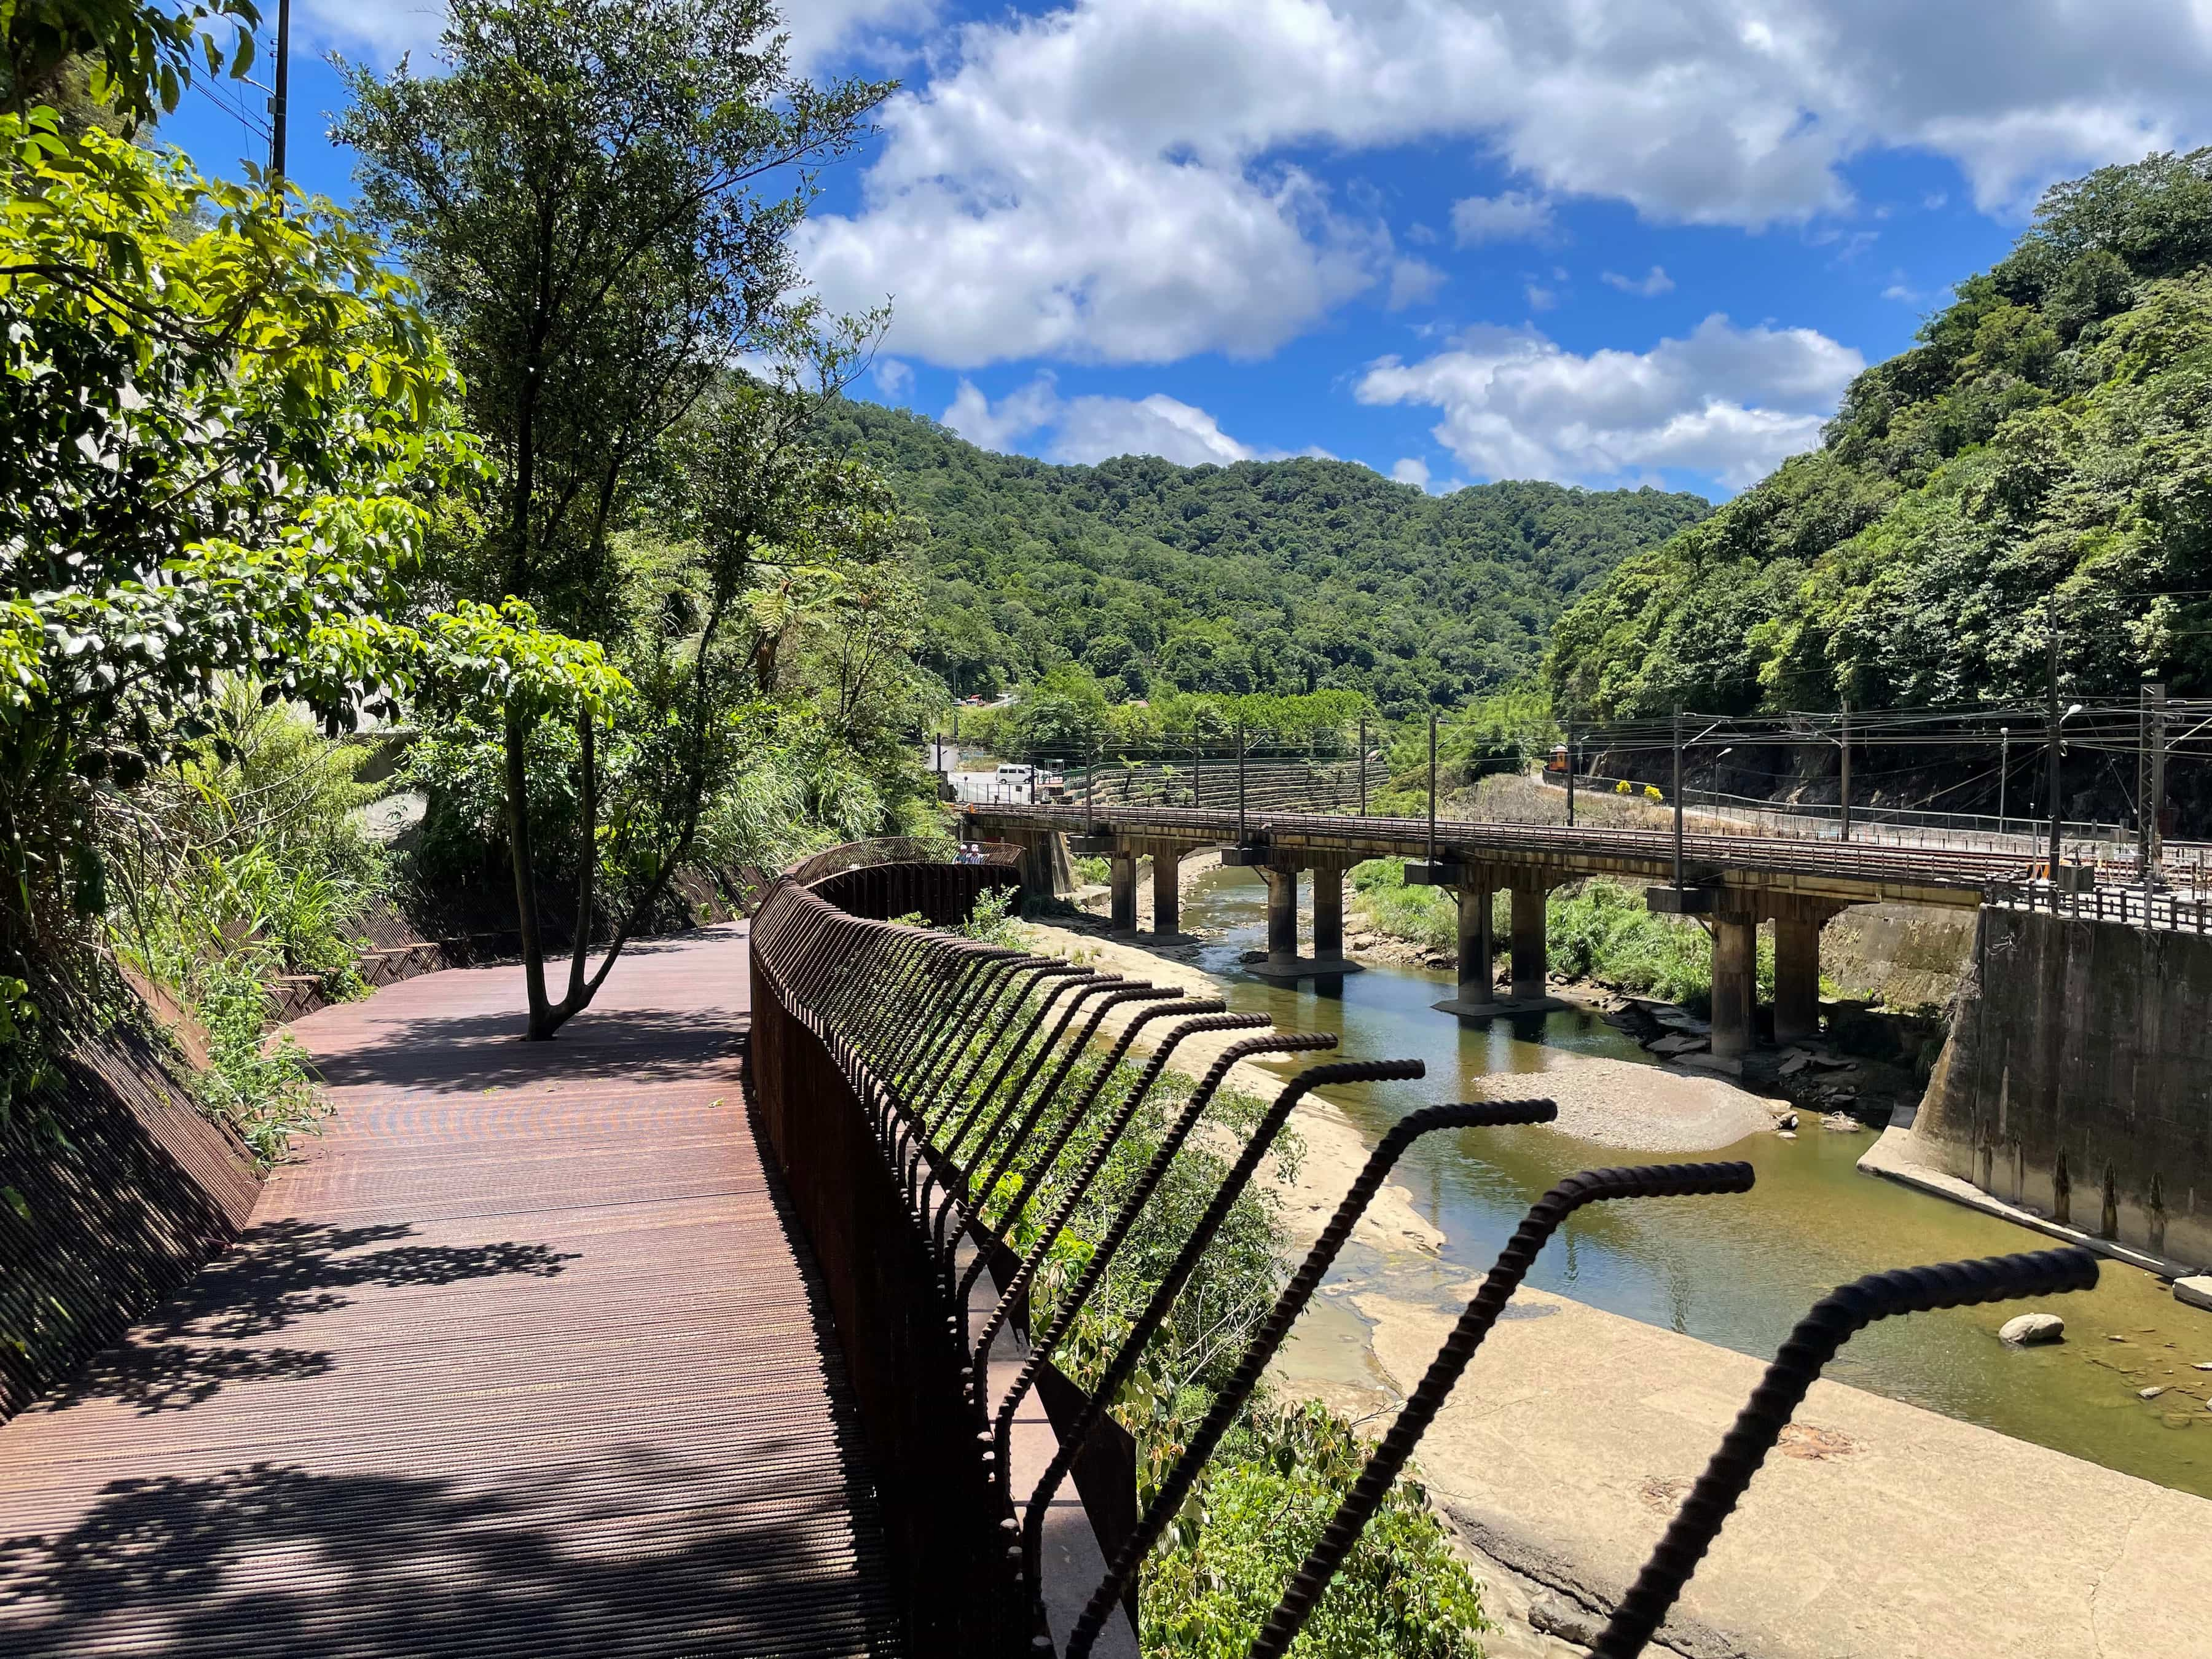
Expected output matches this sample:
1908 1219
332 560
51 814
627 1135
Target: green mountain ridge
2040 459
1271 576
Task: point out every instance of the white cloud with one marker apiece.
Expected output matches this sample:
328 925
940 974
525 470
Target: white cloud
894 378
385 30
1727 401
820 30
1092 429
1411 469
1109 180
1650 287
1515 216
1541 299
1413 281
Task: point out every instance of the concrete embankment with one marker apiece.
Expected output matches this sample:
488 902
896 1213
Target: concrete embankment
1877 1530
2075 1083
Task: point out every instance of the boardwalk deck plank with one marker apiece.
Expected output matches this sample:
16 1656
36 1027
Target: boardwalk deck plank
517 1359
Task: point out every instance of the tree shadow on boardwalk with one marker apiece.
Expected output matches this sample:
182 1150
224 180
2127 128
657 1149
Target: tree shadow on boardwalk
467 1053
629 1553
282 1272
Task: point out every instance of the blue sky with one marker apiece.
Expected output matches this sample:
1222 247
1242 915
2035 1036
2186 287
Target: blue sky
1599 243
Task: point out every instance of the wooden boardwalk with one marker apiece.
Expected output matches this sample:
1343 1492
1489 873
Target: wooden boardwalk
517 1359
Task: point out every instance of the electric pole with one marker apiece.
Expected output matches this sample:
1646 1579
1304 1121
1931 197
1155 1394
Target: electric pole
1432 788
1571 777
1846 787
2004 772
1678 801
2054 757
282 99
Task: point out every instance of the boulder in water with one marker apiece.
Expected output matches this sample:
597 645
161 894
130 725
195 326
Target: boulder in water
2030 1330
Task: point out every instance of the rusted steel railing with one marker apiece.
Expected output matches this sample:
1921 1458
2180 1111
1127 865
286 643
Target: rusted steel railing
945 1107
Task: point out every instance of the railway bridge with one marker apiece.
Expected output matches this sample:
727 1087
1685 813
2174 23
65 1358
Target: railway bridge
1732 883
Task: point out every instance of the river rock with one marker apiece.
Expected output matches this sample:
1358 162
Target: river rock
1785 1121
2030 1330
1842 1123
2196 1291
1555 1616
2150 1393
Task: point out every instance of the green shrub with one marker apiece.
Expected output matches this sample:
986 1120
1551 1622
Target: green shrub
1604 931
264 1087
1400 1594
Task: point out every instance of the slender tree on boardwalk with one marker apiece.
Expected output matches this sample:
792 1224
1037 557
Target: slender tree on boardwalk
597 198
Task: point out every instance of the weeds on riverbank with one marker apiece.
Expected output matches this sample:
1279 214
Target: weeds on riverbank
1426 916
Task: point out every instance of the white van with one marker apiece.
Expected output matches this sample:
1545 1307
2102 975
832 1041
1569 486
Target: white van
1016 782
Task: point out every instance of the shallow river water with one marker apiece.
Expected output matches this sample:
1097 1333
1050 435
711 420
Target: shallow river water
1738 1270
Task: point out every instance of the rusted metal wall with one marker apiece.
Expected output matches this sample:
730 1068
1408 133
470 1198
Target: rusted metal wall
113 1190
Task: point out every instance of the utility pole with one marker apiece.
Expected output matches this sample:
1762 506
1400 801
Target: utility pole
2142 781
1197 773
2152 787
1571 777
2004 772
1678 801
1846 789
280 101
1432 788
2054 756
1240 784
1363 766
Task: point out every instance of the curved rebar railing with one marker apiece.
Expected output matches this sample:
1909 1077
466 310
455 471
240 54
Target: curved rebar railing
1834 1319
966 1060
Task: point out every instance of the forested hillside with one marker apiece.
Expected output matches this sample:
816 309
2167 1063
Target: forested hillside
2039 459
1276 576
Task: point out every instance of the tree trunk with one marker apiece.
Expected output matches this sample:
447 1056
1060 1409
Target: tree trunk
541 1025
580 993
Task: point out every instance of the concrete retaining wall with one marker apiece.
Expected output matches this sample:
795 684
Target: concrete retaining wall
1911 956
2078 1078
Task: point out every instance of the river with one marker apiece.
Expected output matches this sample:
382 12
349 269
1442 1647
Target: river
1737 1271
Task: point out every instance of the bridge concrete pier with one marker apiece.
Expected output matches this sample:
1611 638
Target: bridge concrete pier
1477 997
1283 962
1530 958
1329 912
1736 986
1122 907
1797 924
1796 978
1167 891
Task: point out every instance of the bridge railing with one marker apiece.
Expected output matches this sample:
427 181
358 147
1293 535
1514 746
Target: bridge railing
946 1112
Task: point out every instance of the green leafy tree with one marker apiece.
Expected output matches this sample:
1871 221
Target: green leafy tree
597 197
1266 577
223 416
140 57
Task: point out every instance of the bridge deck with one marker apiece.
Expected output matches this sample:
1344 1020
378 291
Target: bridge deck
519 1359
1855 871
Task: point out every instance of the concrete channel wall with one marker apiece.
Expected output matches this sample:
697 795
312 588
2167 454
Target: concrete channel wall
2078 1078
